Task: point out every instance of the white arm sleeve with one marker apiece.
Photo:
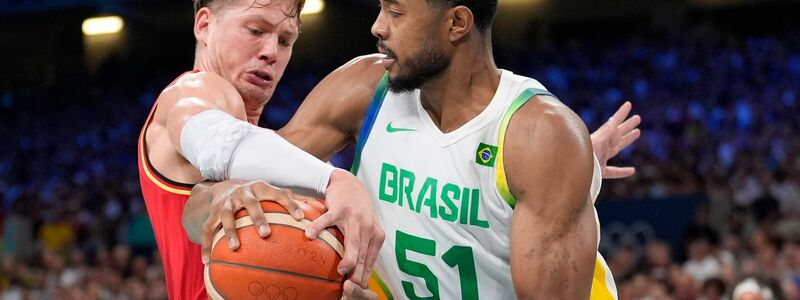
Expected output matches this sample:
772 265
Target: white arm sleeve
223 147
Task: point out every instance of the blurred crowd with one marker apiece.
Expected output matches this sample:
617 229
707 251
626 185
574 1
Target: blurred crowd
720 115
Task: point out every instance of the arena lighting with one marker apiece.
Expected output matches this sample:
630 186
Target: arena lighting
313 7
102 25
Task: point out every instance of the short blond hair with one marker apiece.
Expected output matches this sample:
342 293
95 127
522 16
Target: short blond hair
214 5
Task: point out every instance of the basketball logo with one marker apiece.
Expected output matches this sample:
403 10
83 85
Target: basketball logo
261 291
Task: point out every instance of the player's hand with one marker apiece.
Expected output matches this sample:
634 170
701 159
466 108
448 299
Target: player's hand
616 134
232 195
354 292
351 209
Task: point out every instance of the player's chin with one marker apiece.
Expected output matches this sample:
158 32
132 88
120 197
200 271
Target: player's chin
394 72
256 93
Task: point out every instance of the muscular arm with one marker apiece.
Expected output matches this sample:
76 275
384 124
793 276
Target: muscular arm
209 130
331 115
327 121
322 125
553 234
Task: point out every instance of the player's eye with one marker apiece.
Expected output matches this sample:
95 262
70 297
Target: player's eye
255 31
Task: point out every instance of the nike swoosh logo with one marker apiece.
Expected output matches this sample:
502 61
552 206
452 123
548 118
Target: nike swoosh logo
391 129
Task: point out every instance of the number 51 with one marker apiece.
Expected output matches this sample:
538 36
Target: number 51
460 256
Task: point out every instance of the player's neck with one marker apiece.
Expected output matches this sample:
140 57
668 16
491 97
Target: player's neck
463 91
254 111
202 63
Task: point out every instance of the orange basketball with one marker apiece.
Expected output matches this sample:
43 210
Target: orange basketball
285 265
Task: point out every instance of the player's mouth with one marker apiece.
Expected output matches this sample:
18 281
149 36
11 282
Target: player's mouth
387 62
260 78
389 59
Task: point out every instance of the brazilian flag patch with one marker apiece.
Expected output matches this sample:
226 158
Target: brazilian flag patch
485 155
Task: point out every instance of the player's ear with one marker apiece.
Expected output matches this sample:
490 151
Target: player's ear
202 22
461 22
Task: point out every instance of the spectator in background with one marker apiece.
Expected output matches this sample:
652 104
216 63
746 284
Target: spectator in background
658 260
713 289
623 263
786 189
754 288
791 276
642 287
702 263
57 234
683 285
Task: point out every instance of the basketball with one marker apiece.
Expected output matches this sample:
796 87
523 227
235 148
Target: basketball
285 265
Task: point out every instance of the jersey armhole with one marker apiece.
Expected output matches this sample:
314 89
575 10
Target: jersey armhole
500 171
372 114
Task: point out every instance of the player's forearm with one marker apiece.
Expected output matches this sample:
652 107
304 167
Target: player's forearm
555 283
223 147
196 211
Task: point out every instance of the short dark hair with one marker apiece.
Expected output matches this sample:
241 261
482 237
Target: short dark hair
216 4
483 10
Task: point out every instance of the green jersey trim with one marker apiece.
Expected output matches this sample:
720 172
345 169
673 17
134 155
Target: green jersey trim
500 171
369 120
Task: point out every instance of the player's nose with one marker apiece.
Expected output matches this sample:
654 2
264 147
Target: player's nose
269 50
379 28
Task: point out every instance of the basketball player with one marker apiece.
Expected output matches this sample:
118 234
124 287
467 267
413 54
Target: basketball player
202 127
483 181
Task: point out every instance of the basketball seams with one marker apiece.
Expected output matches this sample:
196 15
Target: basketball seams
274 218
210 288
285 219
279 271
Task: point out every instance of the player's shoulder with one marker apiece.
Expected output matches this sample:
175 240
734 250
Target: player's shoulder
544 121
370 63
208 87
199 82
354 82
546 133
546 110
364 70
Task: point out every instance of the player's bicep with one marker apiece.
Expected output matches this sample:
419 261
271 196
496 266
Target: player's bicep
553 237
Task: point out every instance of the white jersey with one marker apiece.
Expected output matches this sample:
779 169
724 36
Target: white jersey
443 198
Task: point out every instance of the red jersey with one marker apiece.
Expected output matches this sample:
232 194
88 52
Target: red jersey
165 200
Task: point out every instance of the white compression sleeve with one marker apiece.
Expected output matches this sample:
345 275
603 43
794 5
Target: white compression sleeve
223 147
